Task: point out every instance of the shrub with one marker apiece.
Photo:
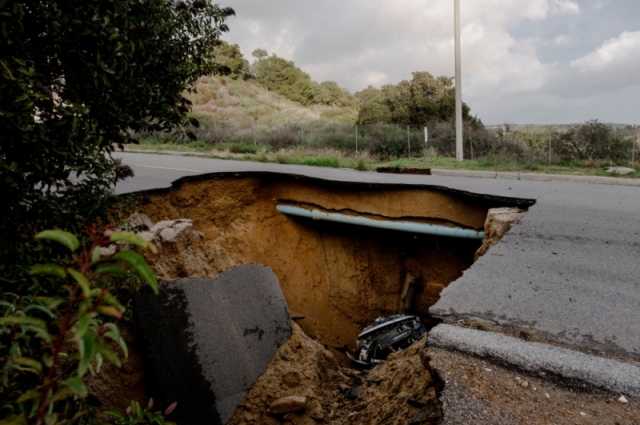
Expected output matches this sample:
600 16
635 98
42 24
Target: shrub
244 148
282 137
52 341
388 141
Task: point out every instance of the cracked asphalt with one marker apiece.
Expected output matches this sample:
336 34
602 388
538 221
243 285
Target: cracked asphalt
569 274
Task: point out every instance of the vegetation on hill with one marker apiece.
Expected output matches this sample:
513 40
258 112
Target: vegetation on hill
284 77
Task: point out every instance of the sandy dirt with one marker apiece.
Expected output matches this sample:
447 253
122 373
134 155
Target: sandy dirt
400 391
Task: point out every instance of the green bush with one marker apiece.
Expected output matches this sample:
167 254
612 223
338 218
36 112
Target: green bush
51 342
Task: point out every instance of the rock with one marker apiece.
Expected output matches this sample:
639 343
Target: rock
139 222
316 411
170 230
623 400
207 341
290 404
620 171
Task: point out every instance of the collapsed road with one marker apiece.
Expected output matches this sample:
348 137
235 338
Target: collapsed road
566 275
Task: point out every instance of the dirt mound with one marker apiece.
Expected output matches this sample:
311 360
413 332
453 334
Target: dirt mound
398 392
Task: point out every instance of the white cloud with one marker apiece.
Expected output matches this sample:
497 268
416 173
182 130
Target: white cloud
363 42
620 53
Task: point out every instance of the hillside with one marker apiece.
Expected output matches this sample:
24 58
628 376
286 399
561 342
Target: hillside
234 108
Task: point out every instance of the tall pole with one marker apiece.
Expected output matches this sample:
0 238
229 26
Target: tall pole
459 124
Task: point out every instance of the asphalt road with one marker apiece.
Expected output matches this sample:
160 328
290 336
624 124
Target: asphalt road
568 274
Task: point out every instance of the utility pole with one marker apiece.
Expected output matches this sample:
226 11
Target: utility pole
458 53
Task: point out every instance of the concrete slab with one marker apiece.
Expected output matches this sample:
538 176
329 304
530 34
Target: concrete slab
207 341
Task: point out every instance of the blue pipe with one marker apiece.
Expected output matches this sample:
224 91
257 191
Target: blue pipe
397 225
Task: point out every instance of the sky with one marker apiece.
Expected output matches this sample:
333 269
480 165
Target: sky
524 61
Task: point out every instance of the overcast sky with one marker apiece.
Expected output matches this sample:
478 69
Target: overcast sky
525 61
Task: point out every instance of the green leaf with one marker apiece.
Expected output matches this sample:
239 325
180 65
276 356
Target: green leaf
48 270
27 364
130 238
76 385
113 333
41 309
60 236
112 301
109 355
140 266
82 326
28 395
22 320
96 254
110 311
50 303
112 269
82 281
86 349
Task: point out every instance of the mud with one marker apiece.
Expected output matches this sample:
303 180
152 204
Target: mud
337 278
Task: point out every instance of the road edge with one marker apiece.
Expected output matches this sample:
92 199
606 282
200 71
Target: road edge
541 359
442 172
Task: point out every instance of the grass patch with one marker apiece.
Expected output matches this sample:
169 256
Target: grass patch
244 148
336 159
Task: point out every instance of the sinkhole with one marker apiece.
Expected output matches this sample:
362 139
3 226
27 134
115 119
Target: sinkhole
344 253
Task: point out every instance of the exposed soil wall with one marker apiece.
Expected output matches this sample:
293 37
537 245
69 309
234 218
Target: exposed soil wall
339 278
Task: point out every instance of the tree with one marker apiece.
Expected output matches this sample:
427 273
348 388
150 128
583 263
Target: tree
284 77
79 77
231 62
373 107
423 100
330 93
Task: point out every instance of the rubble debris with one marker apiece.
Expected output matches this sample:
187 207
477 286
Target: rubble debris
623 400
138 222
621 171
289 404
207 341
385 336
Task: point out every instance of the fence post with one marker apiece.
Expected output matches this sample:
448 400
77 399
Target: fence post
409 141
549 151
356 139
633 152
